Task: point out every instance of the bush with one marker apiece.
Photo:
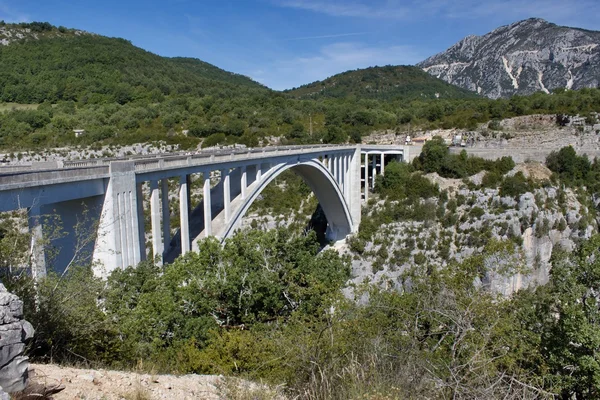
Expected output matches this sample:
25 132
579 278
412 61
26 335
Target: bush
491 180
514 186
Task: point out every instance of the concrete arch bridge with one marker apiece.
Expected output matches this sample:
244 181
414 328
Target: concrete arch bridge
110 193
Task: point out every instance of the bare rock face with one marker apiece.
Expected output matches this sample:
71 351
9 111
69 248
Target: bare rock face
522 58
14 332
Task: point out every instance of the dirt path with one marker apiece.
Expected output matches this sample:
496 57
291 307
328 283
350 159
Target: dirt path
114 385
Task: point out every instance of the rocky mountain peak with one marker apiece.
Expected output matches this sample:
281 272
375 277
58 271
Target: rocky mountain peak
521 58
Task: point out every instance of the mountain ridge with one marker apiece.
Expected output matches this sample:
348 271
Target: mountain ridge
390 82
520 59
41 62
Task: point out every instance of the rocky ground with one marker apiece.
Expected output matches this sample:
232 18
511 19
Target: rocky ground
102 384
538 223
532 131
84 153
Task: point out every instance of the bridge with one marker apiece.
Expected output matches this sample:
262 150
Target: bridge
103 199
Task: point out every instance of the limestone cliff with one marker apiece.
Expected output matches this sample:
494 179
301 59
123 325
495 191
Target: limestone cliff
537 223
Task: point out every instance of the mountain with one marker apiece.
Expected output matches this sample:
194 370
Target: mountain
384 83
43 63
520 59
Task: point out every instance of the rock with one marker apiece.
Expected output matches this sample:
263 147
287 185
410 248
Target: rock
477 178
521 58
572 217
508 202
86 377
551 193
14 332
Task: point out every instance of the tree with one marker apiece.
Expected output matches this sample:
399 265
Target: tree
571 333
433 155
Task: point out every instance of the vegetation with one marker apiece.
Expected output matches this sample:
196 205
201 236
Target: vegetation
574 170
120 94
267 307
382 83
436 157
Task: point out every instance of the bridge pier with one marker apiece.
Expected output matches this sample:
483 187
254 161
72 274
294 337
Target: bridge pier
166 216
119 243
207 205
37 253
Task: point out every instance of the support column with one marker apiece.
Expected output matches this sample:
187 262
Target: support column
366 177
382 169
340 169
334 159
354 190
157 243
38 256
347 177
244 183
139 250
207 205
226 195
258 172
374 167
184 214
166 215
344 174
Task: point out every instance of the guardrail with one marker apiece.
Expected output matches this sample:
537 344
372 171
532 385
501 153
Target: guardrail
25 178
51 171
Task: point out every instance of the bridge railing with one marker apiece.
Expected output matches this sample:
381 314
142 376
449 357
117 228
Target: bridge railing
27 173
24 178
222 155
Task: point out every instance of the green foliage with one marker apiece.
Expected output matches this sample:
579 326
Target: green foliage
400 182
257 277
436 157
574 170
516 185
383 83
69 325
564 318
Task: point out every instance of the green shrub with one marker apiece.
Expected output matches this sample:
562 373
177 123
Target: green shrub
514 186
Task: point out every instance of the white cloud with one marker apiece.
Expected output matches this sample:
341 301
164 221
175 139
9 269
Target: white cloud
331 60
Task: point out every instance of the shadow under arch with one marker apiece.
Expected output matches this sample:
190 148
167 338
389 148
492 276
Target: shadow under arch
322 184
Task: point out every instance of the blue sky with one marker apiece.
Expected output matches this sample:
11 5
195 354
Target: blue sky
287 43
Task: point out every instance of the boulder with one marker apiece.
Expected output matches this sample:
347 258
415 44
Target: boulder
14 332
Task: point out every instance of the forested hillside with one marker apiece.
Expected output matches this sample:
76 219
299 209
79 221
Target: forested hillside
384 83
54 80
96 69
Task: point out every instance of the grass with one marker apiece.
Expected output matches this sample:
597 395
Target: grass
237 389
139 393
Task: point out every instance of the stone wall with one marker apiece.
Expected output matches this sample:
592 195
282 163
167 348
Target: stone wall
14 332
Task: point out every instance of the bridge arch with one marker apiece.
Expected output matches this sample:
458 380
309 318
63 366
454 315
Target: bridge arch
323 185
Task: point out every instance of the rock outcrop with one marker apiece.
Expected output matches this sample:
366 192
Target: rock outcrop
538 223
525 57
14 332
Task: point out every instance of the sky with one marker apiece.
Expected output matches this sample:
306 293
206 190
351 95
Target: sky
287 43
